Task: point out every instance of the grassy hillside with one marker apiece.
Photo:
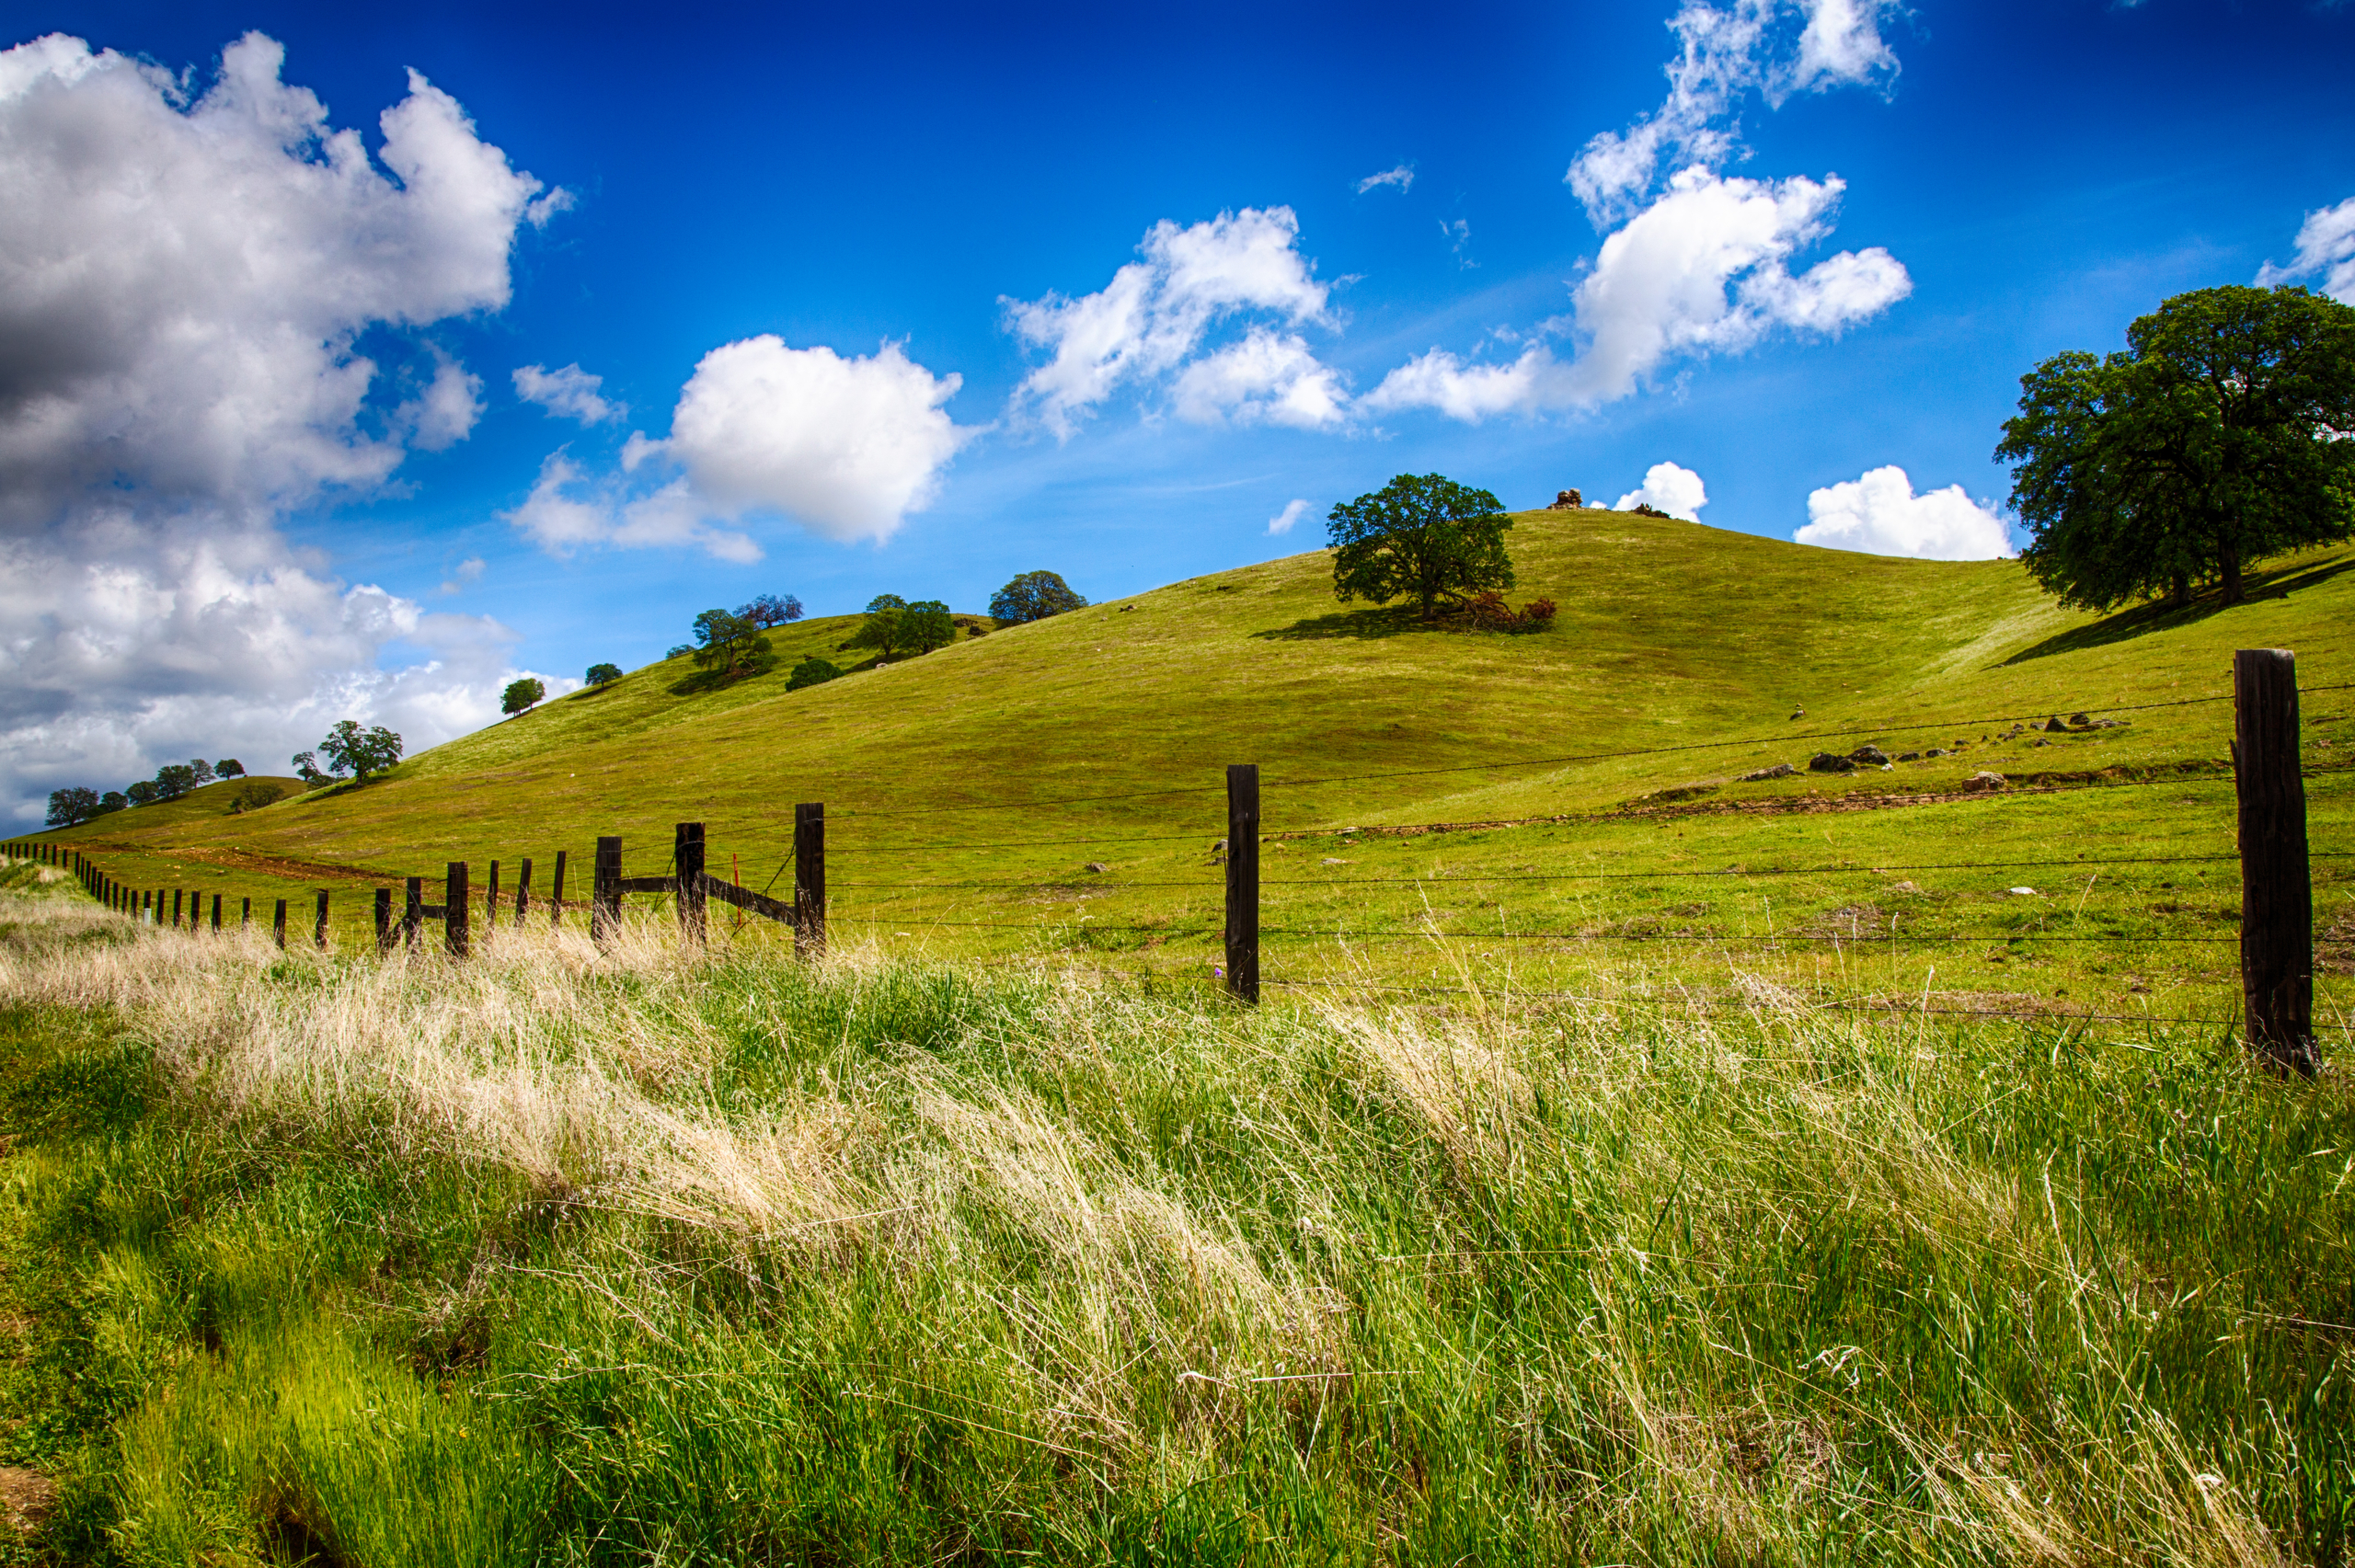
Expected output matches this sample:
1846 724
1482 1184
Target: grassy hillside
1669 635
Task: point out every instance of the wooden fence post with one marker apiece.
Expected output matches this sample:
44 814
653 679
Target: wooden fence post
809 879
320 931
2277 892
686 864
384 920
456 940
490 900
524 893
245 912
278 926
176 908
217 912
605 890
556 894
1242 880
413 911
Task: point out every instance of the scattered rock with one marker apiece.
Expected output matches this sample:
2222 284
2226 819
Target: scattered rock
1937 751
1872 754
2079 721
1568 500
1098 866
1682 791
1332 860
1645 508
2054 727
1779 770
1982 783
1798 712
1909 756
2023 892
2040 742
1830 762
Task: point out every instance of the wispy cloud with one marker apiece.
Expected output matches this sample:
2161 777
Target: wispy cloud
1403 176
1281 523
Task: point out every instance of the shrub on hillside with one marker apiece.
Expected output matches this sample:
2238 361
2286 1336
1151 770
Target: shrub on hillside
1490 613
256 796
811 671
603 674
1034 596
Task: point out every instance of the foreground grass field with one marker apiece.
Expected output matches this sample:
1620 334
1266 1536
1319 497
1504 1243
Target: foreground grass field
642 1256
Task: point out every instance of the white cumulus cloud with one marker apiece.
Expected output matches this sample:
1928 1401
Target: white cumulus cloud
571 392
184 278
1282 521
2325 253
1403 176
1268 375
1772 48
569 509
1157 313
1879 514
1702 269
1669 488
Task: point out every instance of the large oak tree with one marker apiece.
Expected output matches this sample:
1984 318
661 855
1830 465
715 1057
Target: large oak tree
2218 437
1423 537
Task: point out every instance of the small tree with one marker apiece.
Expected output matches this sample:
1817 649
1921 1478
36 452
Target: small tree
1423 537
730 644
682 648
72 805
229 768
112 801
144 793
769 610
603 674
349 749
811 671
201 768
884 630
521 695
306 768
927 625
255 795
174 780
1034 596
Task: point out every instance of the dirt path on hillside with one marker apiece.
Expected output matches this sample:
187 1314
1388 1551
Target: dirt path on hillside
285 867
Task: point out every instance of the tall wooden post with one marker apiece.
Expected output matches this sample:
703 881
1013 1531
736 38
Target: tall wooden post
456 940
686 864
384 920
523 892
245 912
217 912
412 910
278 926
605 890
555 893
490 900
319 930
1242 880
809 879
2277 894
176 908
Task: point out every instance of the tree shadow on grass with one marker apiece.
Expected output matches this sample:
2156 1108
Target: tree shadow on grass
2145 619
1387 622
713 680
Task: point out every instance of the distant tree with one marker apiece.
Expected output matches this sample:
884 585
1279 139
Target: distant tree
144 793
603 674
521 695
72 805
682 647
885 601
255 795
927 625
2218 437
1422 537
229 768
174 780
201 768
349 749
894 625
112 801
1034 596
730 644
769 610
306 768
811 671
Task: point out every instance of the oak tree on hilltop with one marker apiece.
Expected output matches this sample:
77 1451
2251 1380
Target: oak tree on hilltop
521 695
1423 537
1034 596
68 808
349 749
730 644
2217 439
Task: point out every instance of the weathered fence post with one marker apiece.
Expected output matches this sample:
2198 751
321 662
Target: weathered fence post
320 931
278 926
809 879
605 890
523 892
2277 892
217 912
456 940
686 864
176 908
555 893
1242 880
245 912
412 910
384 920
490 900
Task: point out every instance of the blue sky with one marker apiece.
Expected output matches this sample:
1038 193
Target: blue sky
1884 216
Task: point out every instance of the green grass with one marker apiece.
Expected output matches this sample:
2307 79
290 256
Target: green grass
1669 635
555 1257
